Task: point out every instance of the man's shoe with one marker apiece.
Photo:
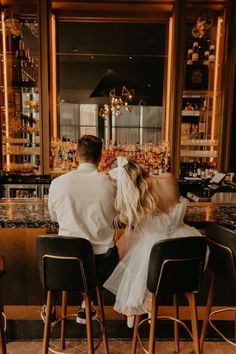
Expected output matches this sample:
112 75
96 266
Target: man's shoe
81 316
130 321
43 314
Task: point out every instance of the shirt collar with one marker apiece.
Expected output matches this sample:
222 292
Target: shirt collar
87 166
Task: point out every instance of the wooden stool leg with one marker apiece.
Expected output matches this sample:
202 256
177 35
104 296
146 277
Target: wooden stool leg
151 349
176 327
63 314
193 310
135 334
102 315
3 346
89 327
47 325
207 311
235 326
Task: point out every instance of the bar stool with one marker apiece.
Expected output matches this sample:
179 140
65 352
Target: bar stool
175 267
67 264
3 346
222 263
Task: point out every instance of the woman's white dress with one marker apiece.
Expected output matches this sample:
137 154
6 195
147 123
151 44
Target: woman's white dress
128 280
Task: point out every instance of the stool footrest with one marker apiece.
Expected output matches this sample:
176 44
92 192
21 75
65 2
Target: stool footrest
100 339
216 329
161 318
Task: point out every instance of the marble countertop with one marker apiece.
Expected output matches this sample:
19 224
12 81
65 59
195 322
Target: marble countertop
25 213
33 213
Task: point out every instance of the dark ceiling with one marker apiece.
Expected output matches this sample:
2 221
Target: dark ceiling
128 37
134 50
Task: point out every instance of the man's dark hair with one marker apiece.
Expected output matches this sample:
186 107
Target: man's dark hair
90 148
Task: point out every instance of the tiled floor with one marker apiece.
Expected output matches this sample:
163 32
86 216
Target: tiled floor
119 347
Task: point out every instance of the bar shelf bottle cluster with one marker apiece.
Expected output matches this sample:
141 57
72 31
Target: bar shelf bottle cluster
19 99
201 97
155 158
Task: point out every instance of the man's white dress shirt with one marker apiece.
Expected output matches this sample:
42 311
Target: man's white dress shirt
82 202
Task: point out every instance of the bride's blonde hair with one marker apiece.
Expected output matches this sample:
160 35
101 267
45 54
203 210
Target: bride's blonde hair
135 201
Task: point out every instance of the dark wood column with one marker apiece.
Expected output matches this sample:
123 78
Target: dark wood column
177 82
44 83
229 65
232 157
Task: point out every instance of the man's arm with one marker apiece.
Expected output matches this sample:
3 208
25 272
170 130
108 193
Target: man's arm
51 209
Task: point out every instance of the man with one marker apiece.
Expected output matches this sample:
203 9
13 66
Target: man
82 202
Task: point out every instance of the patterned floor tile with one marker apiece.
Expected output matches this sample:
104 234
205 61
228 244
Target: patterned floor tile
117 346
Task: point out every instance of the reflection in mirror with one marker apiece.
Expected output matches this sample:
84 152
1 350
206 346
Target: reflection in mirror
19 93
110 83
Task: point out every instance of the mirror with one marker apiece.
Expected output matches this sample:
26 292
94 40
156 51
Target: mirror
110 82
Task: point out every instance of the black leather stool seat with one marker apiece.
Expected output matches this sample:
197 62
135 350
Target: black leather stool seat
222 263
175 267
67 264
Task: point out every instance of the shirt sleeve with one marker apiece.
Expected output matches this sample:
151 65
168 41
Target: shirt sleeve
51 208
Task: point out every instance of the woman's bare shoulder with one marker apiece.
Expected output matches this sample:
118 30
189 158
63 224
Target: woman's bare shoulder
166 177
165 190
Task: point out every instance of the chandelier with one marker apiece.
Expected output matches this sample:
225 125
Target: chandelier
13 26
117 103
201 26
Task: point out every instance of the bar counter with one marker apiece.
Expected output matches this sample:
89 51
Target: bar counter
33 213
22 220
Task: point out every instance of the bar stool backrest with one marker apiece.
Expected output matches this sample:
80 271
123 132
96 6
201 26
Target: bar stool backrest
176 265
222 245
66 263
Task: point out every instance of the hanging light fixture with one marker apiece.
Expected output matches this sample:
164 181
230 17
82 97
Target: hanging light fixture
118 102
13 25
201 26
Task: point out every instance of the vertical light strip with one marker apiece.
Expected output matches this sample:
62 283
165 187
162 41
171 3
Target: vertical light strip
5 83
168 81
216 84
141 116
114 130
54 77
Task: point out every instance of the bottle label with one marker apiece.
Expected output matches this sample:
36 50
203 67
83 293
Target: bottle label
202 127
197 76
211 58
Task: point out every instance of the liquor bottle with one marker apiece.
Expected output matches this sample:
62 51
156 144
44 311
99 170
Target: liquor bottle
212 53
199 169
203 171
189 57
195 170
20 53
195 52
190 172
206 57
202 121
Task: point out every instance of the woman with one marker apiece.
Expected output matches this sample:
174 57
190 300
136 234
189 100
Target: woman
152 210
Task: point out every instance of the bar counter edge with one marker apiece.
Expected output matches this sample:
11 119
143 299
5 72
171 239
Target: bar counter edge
21 221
